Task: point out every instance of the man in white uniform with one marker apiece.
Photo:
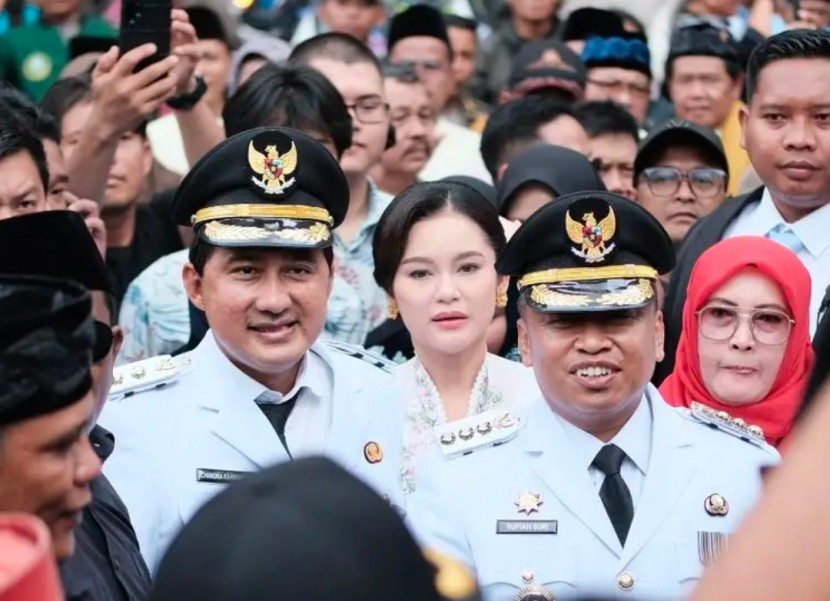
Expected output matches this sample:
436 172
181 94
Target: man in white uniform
599 487
260 389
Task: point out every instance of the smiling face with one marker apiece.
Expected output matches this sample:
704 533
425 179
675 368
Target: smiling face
446 283
265 307
46 465
592 367
740 370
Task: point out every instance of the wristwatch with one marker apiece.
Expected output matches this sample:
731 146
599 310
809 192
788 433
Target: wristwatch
185 102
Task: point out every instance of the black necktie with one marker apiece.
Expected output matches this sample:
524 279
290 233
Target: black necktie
614 492
278 414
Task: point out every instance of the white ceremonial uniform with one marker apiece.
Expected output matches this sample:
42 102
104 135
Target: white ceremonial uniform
179 445
559 535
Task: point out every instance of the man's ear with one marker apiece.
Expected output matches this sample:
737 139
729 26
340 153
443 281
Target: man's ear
743 117
500 172
117 340
659 337
524 344
193 285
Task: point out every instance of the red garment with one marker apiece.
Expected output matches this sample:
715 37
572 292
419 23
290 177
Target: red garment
776 412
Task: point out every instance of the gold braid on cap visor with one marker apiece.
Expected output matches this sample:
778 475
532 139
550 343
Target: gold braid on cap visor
585 274
263 211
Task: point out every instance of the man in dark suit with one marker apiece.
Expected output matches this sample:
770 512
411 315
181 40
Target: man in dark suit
786 131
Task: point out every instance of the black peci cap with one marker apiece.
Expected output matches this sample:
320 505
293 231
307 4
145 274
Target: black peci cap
265 187
561 169
702 39
420 20
585 23
57 244
589 251
304 530
678 132
46 340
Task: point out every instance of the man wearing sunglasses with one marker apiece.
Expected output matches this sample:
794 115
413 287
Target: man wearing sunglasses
681 174
107 564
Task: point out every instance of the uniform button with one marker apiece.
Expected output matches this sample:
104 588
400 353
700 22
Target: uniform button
117 565
625 581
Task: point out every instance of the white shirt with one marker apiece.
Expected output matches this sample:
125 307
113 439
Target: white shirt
458 153
309 424
812 231
634 439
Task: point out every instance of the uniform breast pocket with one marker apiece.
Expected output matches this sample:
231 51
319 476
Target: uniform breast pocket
532 567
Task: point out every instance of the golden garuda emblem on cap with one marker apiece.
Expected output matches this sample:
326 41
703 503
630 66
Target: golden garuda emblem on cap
594 238
273 168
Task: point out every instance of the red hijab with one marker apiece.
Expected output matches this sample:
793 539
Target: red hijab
776 412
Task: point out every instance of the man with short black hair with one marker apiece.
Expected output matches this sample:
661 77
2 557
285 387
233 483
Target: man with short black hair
24 175
418 36
58 195
525 122
413 117
137 232
704 81
462 108
356 73
262 387
788 84
612 143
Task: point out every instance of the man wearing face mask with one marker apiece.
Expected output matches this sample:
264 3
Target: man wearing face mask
107 564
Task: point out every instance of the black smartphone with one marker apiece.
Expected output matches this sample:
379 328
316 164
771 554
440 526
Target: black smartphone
145 22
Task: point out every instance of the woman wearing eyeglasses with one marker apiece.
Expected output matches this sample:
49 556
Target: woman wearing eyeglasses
745 346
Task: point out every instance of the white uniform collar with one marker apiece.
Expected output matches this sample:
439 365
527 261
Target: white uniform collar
634 438
315 373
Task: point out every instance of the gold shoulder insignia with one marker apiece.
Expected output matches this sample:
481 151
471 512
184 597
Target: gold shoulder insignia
487 429
145 375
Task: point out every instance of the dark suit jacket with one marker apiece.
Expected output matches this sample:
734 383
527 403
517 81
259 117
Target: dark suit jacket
704 234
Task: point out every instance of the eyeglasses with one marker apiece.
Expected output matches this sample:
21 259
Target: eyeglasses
370 110
616 86
768 326
428 65
665 181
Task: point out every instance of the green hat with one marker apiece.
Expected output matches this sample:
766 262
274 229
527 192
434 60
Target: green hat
265 187
588 251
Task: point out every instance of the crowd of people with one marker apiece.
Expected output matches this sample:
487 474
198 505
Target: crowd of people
455 299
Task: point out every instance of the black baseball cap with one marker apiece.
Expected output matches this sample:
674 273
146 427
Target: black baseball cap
677 132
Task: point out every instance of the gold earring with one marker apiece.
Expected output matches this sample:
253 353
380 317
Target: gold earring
392 310
501 298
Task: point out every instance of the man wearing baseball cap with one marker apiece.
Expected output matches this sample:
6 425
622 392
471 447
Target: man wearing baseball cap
681 174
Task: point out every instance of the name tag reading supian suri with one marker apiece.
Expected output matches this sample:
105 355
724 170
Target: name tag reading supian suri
218 476
527 526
